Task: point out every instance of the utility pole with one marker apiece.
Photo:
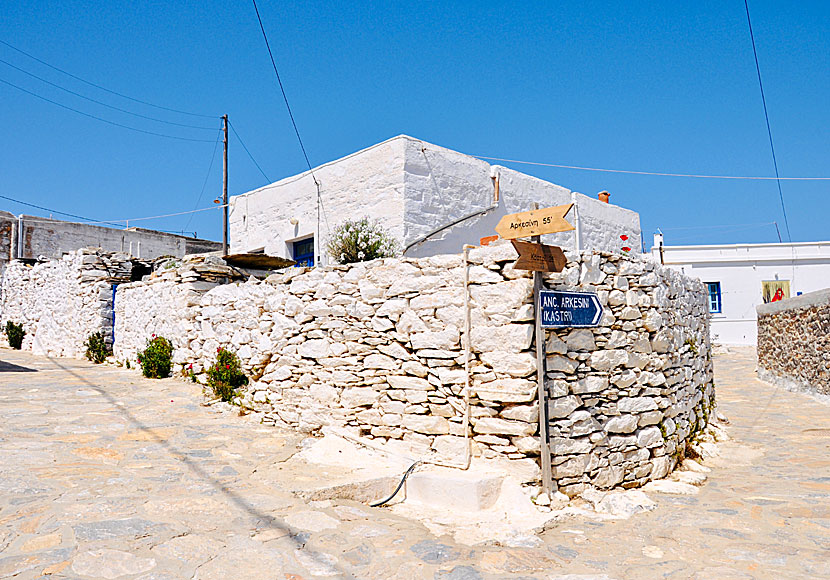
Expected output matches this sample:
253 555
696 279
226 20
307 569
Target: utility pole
225 189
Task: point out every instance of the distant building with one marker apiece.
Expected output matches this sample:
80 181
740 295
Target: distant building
739 277
431 199
29 237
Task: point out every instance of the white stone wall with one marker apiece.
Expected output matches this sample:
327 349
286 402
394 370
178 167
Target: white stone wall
377 348
61 302
414 188
628 396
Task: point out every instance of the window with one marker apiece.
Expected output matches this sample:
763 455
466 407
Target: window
714 296
303 251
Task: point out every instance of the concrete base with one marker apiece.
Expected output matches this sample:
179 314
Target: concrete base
454 489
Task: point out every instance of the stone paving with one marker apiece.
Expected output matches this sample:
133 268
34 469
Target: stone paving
104 474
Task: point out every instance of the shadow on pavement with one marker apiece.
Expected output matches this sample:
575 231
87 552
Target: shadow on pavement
7 367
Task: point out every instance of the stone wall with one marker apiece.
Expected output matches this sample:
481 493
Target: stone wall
377 348
794 342
61 302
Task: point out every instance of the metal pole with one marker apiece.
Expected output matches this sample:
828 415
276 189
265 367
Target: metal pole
225 188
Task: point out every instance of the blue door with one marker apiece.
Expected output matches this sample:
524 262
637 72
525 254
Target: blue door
304 252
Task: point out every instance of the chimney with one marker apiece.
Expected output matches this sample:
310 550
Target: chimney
603 196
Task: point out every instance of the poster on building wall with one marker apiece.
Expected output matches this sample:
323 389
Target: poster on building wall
775 290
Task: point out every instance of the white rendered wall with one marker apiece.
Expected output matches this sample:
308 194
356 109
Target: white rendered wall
443 186
741 269
414 188
366 183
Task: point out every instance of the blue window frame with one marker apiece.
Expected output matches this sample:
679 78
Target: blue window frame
303 251
714 296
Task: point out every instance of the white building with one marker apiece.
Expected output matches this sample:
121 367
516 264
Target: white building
741 276
432 199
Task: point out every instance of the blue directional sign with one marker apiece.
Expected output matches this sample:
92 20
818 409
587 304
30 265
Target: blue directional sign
568 309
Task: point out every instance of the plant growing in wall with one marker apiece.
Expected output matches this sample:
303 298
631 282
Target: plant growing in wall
97 349
155 359
225 376
361 240
15 334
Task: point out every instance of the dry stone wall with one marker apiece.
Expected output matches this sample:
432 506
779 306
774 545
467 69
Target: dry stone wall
377 348
794 342
61 302
630 394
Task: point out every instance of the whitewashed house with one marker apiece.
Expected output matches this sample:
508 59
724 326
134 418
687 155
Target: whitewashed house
432 199
739 277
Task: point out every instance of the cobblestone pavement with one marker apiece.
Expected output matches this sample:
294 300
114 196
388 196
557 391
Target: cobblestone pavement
106 475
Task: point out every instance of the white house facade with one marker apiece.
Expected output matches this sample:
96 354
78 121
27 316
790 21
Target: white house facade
739 277
431 199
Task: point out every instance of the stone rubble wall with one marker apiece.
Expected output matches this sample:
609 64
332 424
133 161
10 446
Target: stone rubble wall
376 348
628 396
794 342
61 302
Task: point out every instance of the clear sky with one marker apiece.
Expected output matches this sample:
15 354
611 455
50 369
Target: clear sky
647 86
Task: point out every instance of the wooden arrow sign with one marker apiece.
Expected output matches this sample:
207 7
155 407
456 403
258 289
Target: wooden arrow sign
537 222
539 257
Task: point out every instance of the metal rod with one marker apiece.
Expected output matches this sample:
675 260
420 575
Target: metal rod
225 188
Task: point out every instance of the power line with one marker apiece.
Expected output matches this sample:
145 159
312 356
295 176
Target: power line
241 142
72 215
582 168
204 184
123 96
766 117
71 92
282 89
104 120
718 227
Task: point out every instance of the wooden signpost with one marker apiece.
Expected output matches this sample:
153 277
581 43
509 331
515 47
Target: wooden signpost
536 222
539 257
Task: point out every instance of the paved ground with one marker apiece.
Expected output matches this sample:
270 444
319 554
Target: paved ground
106 475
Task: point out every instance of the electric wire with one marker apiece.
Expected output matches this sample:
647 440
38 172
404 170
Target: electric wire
282 90
241 142
71 92
397 489
123 96
102 119
766 117
654 173
40 207
204 184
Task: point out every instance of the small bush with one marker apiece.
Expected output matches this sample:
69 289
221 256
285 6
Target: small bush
155 359
359 241
15 334
224 376
97 349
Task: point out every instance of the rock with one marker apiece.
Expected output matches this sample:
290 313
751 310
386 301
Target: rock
511 363
590 384
636 405
580 340
624 504
563 406
407 382
496 426
514 337
110 564
426 424
649 437
670 487
622 424
312 521
358 397
607 360
506 391
559 363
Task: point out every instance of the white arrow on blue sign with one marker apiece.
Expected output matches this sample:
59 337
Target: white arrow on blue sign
569 309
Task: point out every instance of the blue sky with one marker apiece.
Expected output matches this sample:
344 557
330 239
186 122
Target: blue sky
660 86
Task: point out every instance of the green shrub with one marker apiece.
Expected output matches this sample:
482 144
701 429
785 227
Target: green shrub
97 349
15 334
155 359
224 376
359 241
